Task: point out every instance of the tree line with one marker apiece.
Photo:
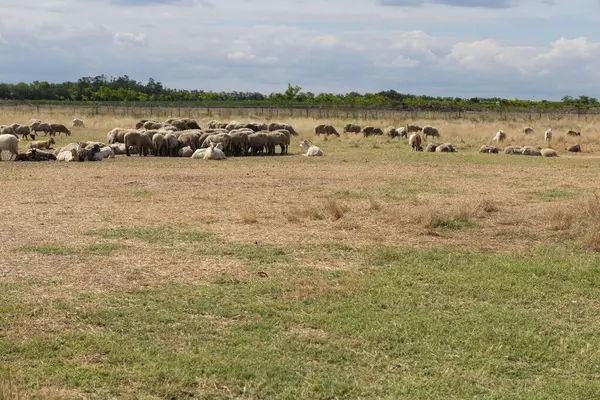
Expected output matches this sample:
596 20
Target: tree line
124 89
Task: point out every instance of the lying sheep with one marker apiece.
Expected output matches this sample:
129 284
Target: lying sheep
104 152
9 143
46 144
513 150
432 146
186 151
527 130
531 151
549 153
310 150
445 148
575 148
415 142
500 137
35 155
489 149
77 123
352 128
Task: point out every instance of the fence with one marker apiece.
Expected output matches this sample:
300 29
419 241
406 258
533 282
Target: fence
273 112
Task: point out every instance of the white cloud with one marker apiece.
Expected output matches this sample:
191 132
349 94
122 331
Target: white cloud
338 45
124 38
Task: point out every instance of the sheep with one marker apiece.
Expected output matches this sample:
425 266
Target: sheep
432 146
40 127
186 151
527 130
415 142
60 128
72 154
575 148
23 130
120 148
530 151
325 130
513 150
159 145
549 153
235 125
574 133
104 152
212 124
429 130
35 155
172 145
310 150
140 123
191 123
139 140
500 137
275 126
9 143
445 148
275 139
189 138
224 138
77 123
239 142
489 149
8 130
257 142
369 131
391 131
413 128
352 128
180 125
153 125
214 153
402 132
548 136
34 120
46 144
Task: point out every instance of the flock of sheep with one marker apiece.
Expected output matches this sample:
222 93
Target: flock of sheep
184 137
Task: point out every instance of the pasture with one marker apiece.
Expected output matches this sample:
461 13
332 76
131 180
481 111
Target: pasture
370 272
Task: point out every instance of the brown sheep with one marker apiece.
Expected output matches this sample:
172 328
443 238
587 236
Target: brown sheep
60 128
325 130
139 140
415 142
353 128
574 133
369 131
46 144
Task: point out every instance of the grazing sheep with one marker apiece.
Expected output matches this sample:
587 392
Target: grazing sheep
257 142
139 140
548 136
391 131
415 142
574 133
325 130
214 153
40 127
413 128
46 144
352 128
513 150
60 128
429 130
275 139
23 130
432 146
9 143
370 131
77 123
489 149
8 130
527 130
575 148
402 132
500 137
549 153
310 150
275 126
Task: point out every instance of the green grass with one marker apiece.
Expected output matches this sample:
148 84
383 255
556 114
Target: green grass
554 194
405 323
164 235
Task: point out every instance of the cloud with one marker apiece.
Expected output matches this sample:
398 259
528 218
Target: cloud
127 38
455 3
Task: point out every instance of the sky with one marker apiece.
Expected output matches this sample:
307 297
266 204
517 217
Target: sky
526 49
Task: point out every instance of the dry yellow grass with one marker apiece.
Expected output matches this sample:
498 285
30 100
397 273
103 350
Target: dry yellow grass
363 193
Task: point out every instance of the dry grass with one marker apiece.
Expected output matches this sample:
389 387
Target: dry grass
111 228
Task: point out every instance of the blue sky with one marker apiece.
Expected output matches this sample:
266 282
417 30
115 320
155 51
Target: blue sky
465 48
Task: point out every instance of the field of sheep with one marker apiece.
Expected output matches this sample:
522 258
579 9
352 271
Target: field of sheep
369 272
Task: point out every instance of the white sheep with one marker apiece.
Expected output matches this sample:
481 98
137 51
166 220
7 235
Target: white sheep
78 122
548 136
310 150
500 137
105 152
9 143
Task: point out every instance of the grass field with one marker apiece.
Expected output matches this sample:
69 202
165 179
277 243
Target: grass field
371 272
